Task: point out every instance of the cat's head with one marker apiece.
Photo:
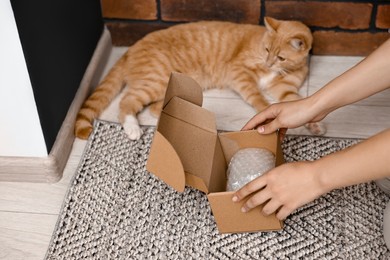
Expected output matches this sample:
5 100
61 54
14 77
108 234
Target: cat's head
286 44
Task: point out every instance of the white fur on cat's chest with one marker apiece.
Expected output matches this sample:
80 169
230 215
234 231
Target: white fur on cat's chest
264 83
266 79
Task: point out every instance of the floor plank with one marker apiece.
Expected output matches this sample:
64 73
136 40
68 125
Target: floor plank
25 235
355 121
325 68
43 198
360 120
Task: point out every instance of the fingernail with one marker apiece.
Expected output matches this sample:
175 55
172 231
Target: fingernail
260 129
235 199
243 210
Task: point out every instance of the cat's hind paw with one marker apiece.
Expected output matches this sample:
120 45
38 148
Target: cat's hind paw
317 128
132 128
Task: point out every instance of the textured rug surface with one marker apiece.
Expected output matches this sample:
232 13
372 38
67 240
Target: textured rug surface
115 209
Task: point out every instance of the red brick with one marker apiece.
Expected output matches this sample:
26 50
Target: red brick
126 34
345 43
130 9
325 42
322 14
242 11
383 17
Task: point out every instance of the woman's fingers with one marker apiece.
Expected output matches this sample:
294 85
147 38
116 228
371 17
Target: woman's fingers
265 122
261 118
255 121
269 127
249 188
256 200
272 206
283 213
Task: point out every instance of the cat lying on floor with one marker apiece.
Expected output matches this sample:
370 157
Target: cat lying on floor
263 64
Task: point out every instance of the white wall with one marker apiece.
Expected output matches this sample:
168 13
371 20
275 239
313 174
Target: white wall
20 128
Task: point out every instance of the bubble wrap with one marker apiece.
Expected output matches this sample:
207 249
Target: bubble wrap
246 165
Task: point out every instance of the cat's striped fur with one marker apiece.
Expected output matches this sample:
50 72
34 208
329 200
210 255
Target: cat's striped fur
263 64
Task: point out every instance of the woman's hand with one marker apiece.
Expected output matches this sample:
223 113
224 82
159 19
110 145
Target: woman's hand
283 189
286 115
289 186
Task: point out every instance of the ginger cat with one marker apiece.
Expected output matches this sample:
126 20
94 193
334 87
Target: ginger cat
263 64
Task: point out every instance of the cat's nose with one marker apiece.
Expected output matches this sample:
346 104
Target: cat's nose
269 64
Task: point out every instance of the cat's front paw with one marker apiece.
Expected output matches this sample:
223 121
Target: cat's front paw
317 128
132 128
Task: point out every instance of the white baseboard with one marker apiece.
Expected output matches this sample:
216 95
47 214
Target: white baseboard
50 168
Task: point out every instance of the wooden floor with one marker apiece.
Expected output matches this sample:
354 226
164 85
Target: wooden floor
29 211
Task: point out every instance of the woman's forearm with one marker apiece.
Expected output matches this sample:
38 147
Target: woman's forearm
366 161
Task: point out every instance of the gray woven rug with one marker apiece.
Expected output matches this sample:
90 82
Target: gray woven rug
115 209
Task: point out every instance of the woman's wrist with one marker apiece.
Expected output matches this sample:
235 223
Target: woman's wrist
317 107
324 179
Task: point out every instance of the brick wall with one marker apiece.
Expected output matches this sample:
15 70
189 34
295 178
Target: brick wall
339 27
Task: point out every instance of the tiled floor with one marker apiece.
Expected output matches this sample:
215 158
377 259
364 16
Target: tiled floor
29 211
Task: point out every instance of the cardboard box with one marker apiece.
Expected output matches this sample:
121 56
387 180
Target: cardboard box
188 150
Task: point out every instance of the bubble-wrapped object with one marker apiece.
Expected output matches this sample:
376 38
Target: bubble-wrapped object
248 164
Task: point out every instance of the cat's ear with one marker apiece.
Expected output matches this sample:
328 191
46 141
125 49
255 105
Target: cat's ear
298 43
271 24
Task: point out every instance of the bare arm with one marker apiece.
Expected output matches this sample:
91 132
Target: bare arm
292 185
289 186
370 76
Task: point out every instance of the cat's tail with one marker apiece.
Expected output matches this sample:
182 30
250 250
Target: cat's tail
99 100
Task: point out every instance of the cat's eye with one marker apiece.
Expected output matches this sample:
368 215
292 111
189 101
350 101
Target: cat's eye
281 58
266 49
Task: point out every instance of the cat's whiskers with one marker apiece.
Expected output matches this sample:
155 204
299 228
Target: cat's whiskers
283 71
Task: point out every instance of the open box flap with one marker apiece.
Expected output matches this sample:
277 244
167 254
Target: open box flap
230 219
194 146
279 153
185 88
191 114
234 141
164 162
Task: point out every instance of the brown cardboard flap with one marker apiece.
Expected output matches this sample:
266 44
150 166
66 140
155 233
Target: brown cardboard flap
164 162
233 141
218 177
279 152
230 219
194 145
196 182
185 88
193 114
